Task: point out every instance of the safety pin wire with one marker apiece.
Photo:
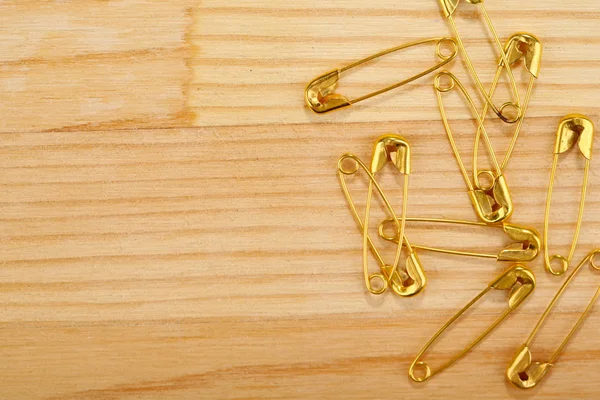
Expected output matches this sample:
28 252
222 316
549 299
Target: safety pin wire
528 254
572 249
524 107
395 218
369 278
438 52
475 76
567 128
319 94
455 82
522 360
515 275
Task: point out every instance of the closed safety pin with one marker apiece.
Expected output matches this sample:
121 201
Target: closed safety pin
492 204
320 96
522 371
448 8
573 129
395 149
525 248
519 46
518 280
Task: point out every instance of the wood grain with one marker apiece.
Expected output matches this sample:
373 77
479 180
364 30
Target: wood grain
172 225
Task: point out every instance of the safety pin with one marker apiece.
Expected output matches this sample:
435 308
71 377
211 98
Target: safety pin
525 248
404 283
519 280
492 204
573 129
319 93
519 46
522 371
448 8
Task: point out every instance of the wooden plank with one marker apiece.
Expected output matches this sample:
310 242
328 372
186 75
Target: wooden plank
94 65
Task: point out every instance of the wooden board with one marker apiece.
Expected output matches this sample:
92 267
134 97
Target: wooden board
172 225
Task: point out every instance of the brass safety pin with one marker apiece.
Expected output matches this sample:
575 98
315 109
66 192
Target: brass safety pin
573 129
525 248
522 371
492 204
518 280
448 8
404 283
519 46
319 93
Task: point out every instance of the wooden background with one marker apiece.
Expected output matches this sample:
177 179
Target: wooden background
172 225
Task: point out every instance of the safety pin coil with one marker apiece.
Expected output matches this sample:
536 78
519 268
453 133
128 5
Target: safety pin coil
492 204
517 280
520 46
573 129
319 93
395 149
448 8
522 371
526 246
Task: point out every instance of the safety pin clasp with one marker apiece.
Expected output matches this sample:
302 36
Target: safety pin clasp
449 6
320 93
523 373
517 280
391 148
526 247
527 47
495 204
575 128
410 281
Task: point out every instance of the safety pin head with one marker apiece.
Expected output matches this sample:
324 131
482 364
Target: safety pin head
527 46
319 93
519 280
523 373
575 128
391 148
449 6
410 282
493 205
527 248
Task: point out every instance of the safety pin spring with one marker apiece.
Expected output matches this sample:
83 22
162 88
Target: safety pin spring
492 204
319 94
404 283
522 371
519 46
448 8
518 280
573 129
526 246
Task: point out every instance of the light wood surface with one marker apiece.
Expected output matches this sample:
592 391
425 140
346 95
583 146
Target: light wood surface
172 226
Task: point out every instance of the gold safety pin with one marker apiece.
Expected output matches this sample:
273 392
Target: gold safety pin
519 46
573 129
522 371
525 248
404 283
492 204
319 93
448 8
519 280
